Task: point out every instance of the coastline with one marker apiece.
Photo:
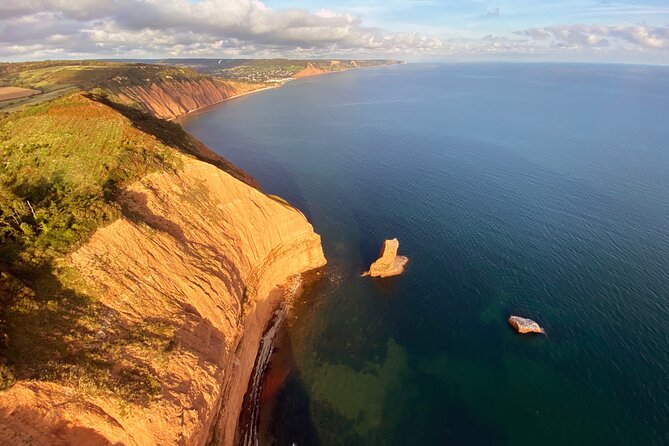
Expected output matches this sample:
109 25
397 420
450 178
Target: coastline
205 255
205 107
246 431
219 315
279 85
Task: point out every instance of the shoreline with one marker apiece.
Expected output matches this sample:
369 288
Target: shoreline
249 427
279 85
205 107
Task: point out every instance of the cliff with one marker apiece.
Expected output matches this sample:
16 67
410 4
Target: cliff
153 339
310 71
203 260
170 99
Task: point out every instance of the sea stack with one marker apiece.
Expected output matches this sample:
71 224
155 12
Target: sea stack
523 325
389 263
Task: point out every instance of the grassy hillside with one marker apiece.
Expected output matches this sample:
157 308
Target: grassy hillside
85 75
64 162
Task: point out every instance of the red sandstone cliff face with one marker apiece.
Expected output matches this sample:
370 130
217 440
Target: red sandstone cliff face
171 99
309 71
207 256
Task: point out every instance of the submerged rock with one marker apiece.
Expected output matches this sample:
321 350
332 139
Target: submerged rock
389 263
523 325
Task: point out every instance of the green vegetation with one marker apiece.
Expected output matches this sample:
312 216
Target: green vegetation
64 158
279 200
59 332
87 74
6 377
57 78
63 163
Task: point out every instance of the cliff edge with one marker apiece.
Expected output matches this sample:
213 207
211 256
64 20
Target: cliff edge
174 98
153 338
201 254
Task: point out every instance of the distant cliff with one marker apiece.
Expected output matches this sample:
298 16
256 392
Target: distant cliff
170 99
145 332
310 71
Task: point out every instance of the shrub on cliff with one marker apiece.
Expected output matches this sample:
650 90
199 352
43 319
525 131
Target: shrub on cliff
6 377
62 163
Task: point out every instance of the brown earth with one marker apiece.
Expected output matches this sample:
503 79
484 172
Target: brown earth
203 253
15 93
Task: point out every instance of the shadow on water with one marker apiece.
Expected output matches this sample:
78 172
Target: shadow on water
287 401
289 190
283 387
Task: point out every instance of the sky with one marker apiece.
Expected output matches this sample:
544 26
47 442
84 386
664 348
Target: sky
412 30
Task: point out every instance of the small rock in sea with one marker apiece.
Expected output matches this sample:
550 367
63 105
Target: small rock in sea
389 263
523 325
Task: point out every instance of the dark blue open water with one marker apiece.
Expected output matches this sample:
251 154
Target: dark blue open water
539 190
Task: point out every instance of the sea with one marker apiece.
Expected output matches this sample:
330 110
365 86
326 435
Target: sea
538 190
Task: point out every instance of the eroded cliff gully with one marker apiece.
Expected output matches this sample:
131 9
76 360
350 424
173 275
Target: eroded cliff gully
200 252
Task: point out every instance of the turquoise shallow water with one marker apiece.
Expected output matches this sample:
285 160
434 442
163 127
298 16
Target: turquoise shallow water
539 190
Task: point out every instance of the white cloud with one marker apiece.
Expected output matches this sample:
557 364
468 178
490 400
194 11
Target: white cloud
578 36
495 12
249 28
180 27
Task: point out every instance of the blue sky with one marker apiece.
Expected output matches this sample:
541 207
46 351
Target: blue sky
413 30
478 18
508 15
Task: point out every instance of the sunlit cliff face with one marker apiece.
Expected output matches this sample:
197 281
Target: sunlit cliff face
201 256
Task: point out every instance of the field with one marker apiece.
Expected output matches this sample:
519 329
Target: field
7 93
53 79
